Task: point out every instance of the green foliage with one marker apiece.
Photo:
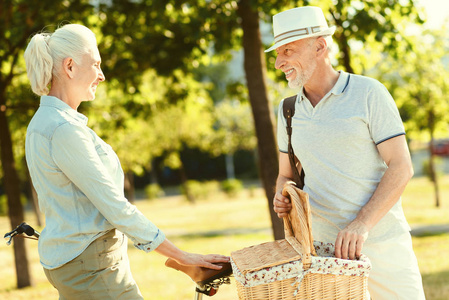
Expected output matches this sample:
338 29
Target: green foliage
234 128
164 35
420 85
200 190
232 187
3 205
153 191
160 120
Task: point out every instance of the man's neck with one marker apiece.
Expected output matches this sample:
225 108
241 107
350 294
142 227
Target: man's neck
320 84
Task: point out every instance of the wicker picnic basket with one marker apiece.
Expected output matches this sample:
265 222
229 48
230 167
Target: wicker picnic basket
297 267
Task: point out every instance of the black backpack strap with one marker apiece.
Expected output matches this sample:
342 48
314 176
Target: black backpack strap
289 112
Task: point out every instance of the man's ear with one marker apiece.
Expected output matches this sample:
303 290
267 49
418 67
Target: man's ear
321 45
67 65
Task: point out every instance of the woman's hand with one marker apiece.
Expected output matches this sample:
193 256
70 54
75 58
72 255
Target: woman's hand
206 261
168 249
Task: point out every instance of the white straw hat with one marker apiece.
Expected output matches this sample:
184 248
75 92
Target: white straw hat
299 23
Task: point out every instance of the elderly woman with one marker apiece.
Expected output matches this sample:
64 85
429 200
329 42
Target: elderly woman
79 180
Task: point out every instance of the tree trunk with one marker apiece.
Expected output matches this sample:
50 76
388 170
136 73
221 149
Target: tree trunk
35 204
433 173
254 65
188 193
229 159
153 171
343 44
12 189
129 186
32 197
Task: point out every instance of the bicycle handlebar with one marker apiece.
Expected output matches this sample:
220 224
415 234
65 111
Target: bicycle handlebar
207 280
23 228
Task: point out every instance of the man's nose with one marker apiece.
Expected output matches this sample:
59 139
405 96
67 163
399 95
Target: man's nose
279 62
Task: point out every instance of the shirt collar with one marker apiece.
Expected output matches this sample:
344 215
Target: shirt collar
339 87
341 84
61 105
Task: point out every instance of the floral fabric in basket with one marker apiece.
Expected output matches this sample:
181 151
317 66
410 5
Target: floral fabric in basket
323 263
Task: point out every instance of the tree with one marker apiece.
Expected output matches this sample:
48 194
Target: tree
234 131
233 123
167 115
420 88
379 21
262 111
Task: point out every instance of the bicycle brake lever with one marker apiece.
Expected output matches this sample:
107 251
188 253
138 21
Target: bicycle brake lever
18 230
10 236
9 241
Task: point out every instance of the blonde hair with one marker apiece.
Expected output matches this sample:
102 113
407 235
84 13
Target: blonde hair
45 53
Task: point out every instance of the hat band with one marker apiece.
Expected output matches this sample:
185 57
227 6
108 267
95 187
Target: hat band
297 32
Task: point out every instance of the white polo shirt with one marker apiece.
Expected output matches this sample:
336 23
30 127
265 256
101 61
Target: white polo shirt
336 142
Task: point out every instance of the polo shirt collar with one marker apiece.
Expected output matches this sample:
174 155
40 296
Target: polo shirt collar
341 84
338 89
61 105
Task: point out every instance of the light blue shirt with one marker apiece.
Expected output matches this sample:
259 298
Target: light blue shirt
79 182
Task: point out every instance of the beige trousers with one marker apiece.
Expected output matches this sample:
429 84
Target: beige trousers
395 274
100 272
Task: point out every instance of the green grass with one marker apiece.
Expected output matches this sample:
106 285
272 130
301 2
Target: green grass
432 253
222 225
418 201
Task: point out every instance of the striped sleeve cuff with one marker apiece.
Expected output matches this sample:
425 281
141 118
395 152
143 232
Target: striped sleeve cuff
390 137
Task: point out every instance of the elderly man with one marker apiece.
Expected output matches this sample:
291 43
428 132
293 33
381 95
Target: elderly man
350 141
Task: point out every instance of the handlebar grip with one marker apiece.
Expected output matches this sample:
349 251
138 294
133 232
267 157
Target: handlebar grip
27 229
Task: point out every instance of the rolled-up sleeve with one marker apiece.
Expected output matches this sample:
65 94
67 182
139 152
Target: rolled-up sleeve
74 152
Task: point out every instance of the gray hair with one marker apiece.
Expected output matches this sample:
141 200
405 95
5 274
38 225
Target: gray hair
45 53
327 38
329 42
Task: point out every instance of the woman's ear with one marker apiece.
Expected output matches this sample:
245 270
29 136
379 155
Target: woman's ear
67 66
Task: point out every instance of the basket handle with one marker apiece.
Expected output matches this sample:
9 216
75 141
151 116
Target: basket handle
297 225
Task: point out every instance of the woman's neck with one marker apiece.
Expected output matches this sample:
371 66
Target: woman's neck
64 94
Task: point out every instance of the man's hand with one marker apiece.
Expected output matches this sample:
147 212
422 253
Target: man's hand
282 205
350 240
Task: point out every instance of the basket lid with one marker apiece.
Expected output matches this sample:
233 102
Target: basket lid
264 255
298 224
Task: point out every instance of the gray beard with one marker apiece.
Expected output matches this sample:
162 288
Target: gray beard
296 83
302 76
